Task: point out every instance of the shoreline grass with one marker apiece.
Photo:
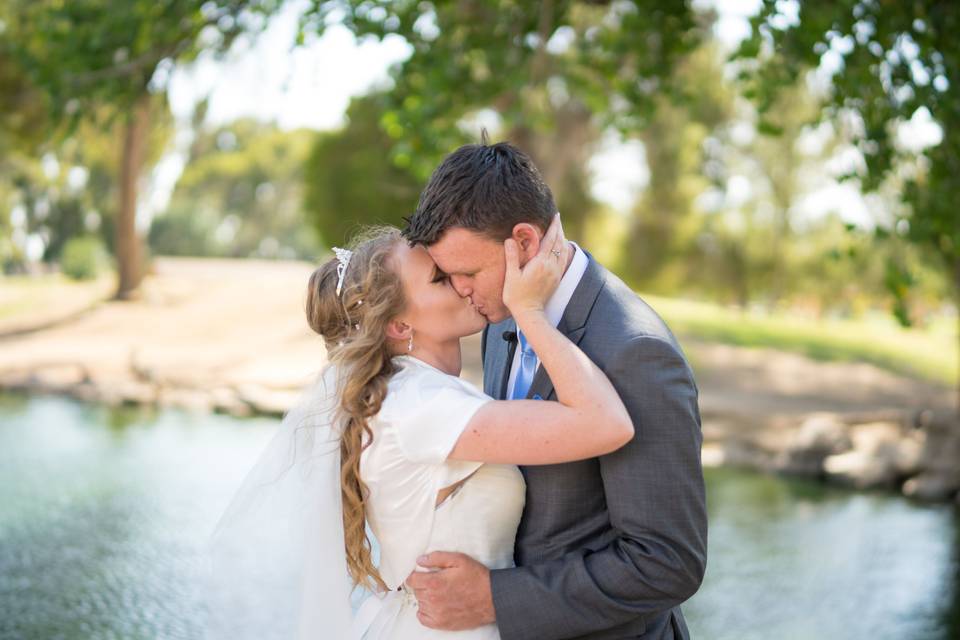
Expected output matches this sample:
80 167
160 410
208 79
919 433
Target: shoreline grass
930 354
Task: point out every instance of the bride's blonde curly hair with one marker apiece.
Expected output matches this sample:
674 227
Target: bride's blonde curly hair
354 327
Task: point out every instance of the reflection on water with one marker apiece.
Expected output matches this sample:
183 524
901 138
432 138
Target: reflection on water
103 515
951 613
795 559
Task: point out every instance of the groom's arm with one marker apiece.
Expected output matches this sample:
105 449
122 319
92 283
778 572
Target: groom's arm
655 497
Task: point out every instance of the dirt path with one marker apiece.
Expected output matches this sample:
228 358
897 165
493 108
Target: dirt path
205 332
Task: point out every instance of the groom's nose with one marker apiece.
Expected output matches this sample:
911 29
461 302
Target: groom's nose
461 286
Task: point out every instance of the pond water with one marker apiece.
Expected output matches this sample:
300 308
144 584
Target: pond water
104 513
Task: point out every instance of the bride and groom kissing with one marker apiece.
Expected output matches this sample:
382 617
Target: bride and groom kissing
564 500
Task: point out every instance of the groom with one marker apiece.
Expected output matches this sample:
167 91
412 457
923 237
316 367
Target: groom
607 547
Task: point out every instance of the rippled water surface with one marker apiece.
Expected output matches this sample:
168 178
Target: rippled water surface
103 515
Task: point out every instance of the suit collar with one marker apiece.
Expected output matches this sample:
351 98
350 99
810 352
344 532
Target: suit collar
557 304
496 371
573 324
584 296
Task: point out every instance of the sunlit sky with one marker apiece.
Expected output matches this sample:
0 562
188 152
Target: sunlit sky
311 86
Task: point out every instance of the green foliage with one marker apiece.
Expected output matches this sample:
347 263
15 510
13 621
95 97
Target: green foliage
663 222
12 258
350 180
185 232
97 60
23 124
896 58
68 188
89 53
822 268
552 74
748 248
927 354
23 109
82 257
240 195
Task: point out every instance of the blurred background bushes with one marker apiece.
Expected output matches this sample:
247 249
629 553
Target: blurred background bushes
734 143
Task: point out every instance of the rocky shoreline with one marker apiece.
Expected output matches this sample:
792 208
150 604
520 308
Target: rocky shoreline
74 381
914 452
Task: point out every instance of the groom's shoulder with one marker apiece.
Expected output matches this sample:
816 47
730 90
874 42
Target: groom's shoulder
622 315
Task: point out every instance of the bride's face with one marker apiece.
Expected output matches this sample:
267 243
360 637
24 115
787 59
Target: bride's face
434 308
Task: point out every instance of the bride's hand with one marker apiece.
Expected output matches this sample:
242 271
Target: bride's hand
528 289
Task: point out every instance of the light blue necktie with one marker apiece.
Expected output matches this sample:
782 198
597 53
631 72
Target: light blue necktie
528 366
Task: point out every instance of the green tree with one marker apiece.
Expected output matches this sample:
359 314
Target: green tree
894 60
350 179
23 109
553 74
65 186
748 246
23 124
240 195
98 58
782 166
664 224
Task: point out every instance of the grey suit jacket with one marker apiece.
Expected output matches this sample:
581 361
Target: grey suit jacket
609 547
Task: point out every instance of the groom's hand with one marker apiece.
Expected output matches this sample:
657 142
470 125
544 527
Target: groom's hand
455 593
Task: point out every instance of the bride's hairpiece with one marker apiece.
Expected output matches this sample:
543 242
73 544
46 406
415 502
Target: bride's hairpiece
343 257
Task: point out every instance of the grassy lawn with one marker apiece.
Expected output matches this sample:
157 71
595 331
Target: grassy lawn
930 354
32 300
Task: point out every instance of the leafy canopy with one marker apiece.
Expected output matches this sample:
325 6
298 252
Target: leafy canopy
521 60
893 60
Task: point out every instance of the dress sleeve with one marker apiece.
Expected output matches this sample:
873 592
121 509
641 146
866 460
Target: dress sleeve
429 412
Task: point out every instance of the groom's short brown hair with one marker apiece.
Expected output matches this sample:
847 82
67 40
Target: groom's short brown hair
488 188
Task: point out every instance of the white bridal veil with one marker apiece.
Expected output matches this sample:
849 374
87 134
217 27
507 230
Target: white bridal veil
277 559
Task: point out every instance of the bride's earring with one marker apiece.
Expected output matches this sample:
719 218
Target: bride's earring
410 344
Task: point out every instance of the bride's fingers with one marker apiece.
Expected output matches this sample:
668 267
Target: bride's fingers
559 240
548 242
426 620
440 559
512 256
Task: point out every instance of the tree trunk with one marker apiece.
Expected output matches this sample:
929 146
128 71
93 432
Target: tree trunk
129 255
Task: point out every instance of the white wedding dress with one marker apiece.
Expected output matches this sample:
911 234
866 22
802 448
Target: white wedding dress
277 559
424 412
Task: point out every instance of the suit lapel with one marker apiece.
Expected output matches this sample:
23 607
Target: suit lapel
499 356
573 322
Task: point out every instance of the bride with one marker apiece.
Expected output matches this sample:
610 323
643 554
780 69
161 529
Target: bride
389 440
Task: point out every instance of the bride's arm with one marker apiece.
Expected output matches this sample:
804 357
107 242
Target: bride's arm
589 418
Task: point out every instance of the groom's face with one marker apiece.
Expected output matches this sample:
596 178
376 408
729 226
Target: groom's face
476 266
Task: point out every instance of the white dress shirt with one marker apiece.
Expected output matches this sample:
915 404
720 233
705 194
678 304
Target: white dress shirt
555 306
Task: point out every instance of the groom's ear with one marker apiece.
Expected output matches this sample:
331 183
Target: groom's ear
527 238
